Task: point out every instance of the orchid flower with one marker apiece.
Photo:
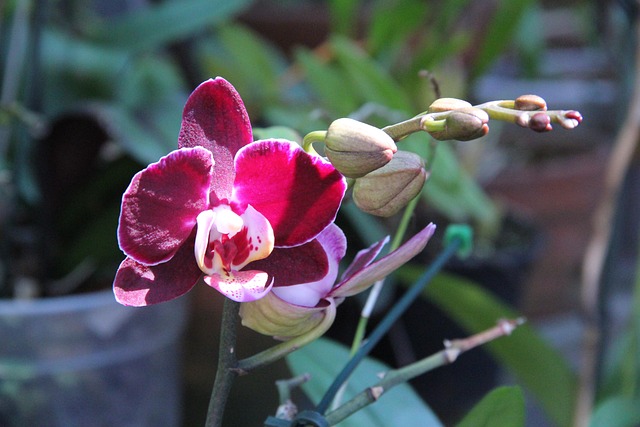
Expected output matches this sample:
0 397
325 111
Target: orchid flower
244 214
291 311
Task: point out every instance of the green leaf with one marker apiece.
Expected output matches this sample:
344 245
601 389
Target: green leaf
329 83
277 132
374 84
344 16
537 365
257 65
393 22
502 407
169 21
500 33
323 359
617 412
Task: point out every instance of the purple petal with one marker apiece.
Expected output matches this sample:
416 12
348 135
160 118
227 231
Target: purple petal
160 207
334 243
215 118
139 285
378 270
291 266
299 193
364 258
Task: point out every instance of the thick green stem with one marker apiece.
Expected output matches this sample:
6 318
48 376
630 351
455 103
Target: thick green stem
227 372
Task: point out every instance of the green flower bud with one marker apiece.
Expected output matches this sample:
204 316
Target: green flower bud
530 103
464 124
355 148
272 316
447 104
385 191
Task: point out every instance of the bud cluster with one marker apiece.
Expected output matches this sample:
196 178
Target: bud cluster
386 179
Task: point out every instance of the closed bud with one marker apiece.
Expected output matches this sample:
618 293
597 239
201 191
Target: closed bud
355 148
385 191
530 103
464 125
447 104
275 317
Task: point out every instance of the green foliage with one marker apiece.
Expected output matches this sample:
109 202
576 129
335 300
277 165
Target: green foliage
164 23
539 367
617 412
324 359
502 407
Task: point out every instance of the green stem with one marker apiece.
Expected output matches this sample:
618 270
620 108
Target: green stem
226 373
403 129
375 290
277 352
398 309
448 355
310 138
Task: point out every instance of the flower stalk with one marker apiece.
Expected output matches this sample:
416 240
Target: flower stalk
453 349
226 372
394 314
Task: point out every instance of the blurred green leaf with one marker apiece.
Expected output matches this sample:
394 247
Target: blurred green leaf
502 407
616 412
373 83
537 365
277 132
344 16
391 24
499 34
166 22
141 138
329 84
324 359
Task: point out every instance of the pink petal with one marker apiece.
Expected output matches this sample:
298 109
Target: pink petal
299 193
215 118
366 277
139 285
334 243
291 266
364 258
241 286
160 207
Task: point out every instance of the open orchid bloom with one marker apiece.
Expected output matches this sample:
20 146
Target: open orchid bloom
245 214
290 311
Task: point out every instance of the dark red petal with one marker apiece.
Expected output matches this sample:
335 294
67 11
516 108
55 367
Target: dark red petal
291 266
139 285
160 207
298 193
214 117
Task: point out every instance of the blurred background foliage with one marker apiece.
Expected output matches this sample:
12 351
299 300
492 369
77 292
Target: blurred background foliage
92 91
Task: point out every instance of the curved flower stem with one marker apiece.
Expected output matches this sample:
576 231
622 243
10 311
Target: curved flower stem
448 355
277 352
310 138
382 328
226 373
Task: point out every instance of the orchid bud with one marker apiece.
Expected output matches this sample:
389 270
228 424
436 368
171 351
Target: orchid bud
530 103
385 191
275 317
540 122
464 124
355 148
447 104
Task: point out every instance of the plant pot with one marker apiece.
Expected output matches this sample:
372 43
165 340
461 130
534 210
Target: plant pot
85 360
